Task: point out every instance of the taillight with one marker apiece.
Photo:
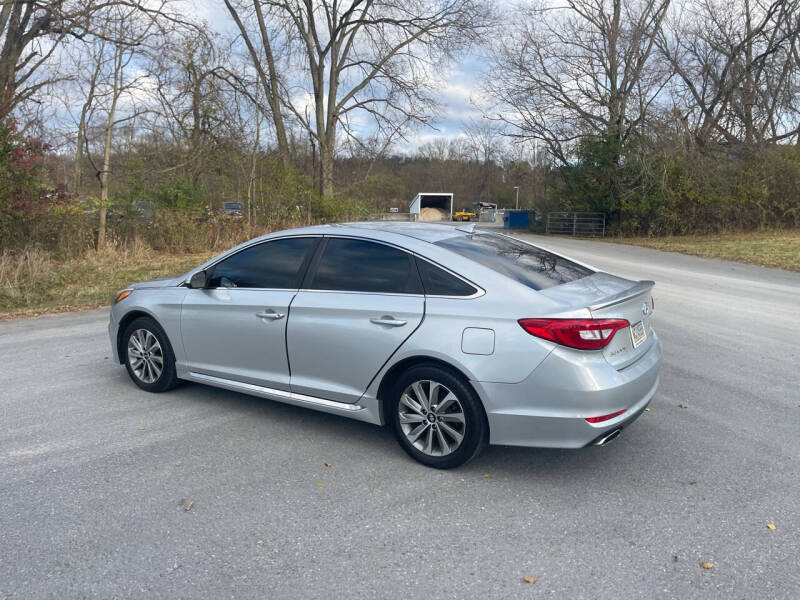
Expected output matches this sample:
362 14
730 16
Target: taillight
583 334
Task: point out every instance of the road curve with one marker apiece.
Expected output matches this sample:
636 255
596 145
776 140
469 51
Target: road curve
106 491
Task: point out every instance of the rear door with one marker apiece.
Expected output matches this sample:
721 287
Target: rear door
236 329
360 301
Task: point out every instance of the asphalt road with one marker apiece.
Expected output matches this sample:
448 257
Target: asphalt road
95 475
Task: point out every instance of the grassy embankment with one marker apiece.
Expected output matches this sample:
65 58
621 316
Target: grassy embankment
779 249
34 282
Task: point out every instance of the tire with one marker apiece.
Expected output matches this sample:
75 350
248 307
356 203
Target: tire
137 340
429 432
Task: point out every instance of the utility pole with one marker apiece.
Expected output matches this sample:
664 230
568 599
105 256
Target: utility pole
516 187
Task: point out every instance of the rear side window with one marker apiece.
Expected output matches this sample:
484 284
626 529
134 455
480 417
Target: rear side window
269 265
531 266
361 266
438 282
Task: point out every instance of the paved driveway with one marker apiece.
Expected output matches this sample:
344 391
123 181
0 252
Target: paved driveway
96 476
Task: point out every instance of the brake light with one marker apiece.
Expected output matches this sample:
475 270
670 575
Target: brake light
583 334
604 417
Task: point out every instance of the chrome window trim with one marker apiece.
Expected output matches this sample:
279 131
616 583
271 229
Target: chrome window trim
361 293
247 289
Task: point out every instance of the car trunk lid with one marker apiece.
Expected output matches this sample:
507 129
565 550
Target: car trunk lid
610 297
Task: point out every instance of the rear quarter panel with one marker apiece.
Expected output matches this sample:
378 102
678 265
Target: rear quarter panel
515 353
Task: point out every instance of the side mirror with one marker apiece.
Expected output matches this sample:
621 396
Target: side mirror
198 280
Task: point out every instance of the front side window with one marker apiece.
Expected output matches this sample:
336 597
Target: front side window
361 266
530 265
271 265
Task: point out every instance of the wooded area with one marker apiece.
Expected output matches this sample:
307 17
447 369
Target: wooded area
131 121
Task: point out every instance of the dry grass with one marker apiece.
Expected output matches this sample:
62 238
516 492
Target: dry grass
34 281
769 249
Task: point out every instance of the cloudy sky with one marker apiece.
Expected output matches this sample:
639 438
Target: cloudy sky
459 95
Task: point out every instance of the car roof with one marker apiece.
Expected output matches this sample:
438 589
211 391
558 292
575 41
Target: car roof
426 232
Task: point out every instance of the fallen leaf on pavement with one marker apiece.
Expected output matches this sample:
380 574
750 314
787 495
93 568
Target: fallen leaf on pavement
328 464
140 428
646 410
320 484
486 475
529 579
178 464
771 526
707 565
189 506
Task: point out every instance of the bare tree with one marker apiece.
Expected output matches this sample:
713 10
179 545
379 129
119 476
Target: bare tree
191 104
484 142
737 69
268 77
360 59
89 64
582 67
113 84
32 31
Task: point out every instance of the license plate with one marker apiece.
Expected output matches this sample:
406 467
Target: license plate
638 333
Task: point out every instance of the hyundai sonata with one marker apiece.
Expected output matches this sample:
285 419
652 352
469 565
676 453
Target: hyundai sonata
455 337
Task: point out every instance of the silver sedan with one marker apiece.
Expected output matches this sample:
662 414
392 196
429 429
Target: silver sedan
452 336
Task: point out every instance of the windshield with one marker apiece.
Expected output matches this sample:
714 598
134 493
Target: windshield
532 266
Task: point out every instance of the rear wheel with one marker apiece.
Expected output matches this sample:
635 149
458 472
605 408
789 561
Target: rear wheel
148 356
437 417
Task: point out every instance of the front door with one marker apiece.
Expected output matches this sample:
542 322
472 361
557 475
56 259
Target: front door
362 301
236 328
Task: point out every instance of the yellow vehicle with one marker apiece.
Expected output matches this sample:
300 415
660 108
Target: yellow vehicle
464 215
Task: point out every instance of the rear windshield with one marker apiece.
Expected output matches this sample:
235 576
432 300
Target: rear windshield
531 266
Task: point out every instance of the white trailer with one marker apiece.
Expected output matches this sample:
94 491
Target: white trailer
432 207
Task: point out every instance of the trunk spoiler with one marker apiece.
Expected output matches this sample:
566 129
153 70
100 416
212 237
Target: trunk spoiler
639 288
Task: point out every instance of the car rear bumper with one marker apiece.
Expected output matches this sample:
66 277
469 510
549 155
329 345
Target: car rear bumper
550 407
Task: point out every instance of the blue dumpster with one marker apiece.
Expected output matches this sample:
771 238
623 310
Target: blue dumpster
517 219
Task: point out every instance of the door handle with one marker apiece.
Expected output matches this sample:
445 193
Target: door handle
388 320
271 315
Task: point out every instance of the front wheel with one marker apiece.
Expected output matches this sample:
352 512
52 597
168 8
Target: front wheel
437 417
149 359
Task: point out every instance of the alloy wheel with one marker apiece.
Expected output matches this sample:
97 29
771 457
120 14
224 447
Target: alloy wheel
145 355
432 418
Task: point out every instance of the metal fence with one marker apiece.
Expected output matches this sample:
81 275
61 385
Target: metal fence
583 224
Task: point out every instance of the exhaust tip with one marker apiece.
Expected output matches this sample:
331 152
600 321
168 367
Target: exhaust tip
608 437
